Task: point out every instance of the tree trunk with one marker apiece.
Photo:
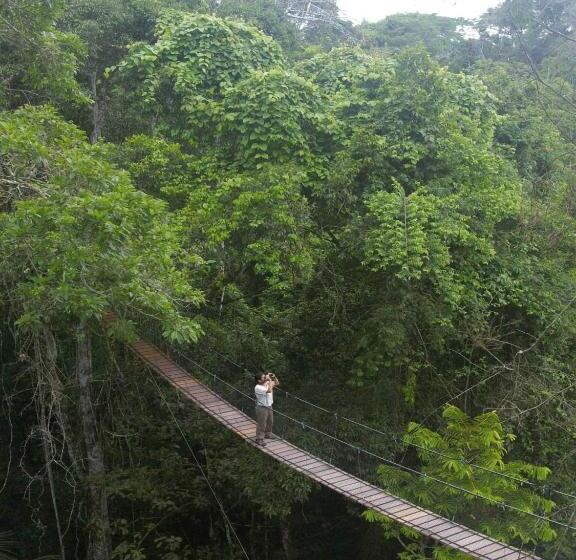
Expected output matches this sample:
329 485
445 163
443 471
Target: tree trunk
96 108
48 348
45 373
286 541
44 428
99 547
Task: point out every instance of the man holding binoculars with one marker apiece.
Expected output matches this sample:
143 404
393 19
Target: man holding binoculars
265 383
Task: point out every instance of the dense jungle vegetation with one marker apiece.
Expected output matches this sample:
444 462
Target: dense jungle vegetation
382 214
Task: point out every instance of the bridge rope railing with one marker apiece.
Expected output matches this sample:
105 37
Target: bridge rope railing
308 436
542 488
380 458
202 471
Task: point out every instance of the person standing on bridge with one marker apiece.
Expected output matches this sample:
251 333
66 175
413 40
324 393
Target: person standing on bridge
265 383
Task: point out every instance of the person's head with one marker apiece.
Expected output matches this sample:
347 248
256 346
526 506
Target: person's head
260 378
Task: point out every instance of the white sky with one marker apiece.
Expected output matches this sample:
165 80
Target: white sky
374 10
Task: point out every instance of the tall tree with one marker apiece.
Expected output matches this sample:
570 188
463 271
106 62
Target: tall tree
39 63
527 30
442 36
179 82
449 456
86 243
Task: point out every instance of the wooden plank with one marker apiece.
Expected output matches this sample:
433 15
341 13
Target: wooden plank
279 446
360 489
320 470
335 478
397 511
368 493
202 398
416 516
447 529
479 545
198 390
227 417
294 461
293 458
208 401
432 524
286 449
306 465
213 400
248 434
240 421
466 543
241 425
191 387
300 462
292 455
224 408
301 458
242 428
176 370
334 472
243 418
223 411
159 362
179 374
180 381
491 548
176 376
382 499
352 487
227 422
146 352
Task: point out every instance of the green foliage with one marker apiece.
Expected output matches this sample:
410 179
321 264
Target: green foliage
422 194
267 15
447 455
340 69
184 76
275 116
380 230
440 35
106 27
414 235
271 487
255 220
526 29
34 52
91 242
8 547
157 167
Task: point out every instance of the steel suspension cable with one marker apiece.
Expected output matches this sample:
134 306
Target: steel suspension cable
199 465
520 481
304 425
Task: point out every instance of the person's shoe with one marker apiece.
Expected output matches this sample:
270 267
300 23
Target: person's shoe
261 442
270 436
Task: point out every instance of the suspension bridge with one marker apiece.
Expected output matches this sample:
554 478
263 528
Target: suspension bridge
440 529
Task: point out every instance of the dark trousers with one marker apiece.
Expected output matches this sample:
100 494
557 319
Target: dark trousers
264 419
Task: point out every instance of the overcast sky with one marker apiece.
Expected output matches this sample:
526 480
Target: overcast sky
373 10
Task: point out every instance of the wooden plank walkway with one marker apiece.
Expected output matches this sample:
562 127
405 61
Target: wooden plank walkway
438 528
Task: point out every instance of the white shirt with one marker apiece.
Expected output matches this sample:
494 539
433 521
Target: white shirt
263 398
